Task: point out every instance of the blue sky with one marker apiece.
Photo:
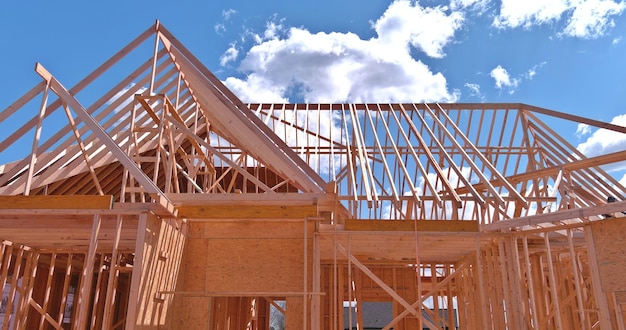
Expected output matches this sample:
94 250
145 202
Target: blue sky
558 54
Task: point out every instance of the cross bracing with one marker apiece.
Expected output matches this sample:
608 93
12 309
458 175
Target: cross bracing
153 197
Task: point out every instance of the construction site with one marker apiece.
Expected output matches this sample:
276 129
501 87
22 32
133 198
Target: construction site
154 198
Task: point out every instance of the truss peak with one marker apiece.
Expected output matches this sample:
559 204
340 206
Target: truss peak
169 126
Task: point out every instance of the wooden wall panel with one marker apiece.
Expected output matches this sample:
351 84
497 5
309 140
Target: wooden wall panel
294 319
245 257
254 265
610 243
192 314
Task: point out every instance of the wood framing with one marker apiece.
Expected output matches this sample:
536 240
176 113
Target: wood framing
166 202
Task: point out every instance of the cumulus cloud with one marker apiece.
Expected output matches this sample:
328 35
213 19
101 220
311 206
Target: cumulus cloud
229 55
342 67
429 29
256 88
592 18
503 79
582 130
474 5
604 141
515 13
583 18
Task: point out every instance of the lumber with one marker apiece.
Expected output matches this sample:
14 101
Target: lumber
54 202
169 203
246 212
415 225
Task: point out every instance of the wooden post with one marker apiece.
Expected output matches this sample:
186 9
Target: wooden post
34 151
531 287
82 303
481 284
576 278
553 287
135 282
113 274
317 274
599 295
305 291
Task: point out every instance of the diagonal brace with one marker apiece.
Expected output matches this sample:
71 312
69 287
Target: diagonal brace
384 285
99 132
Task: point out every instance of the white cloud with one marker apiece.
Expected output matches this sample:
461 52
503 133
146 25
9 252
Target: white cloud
272 30
582 130
429 29
228 13
475 90
622 181
219 28
342 67
584 18
256 88
532 72
503 79
604 141
468 4
592 18
616 41
229 55
515 13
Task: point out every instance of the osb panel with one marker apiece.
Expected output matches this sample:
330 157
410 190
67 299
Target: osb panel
193 314
255 229
255 265
194 263
610 242
196 230
294 320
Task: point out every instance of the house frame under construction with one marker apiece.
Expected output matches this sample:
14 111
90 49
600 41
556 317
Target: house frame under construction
152 197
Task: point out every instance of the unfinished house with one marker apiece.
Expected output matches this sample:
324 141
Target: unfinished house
153 198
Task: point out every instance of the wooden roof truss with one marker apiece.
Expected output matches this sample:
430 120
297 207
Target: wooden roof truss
167 196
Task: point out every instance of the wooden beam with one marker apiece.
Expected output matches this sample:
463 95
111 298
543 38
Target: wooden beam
56 202
549 171
99 131
552 217
412 225
246 211
209 87
574 118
